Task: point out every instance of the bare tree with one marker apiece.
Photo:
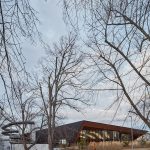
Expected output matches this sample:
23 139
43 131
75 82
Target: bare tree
61 68
25 118
17 21
119 36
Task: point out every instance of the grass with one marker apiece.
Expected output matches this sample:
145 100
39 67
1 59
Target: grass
110 146
105 146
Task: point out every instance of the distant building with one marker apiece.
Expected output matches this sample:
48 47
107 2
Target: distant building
88 131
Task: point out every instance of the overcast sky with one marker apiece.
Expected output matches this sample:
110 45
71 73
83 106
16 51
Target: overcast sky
52 27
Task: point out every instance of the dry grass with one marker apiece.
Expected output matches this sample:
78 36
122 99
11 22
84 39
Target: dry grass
138 145
105 146
111 146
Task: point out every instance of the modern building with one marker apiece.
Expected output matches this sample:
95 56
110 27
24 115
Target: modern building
88 132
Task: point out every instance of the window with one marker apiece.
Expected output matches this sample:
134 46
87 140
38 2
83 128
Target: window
63 141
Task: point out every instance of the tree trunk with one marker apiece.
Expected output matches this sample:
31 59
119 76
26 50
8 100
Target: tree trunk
50 145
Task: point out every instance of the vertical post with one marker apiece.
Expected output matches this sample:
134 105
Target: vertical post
131 134
11 146
103 138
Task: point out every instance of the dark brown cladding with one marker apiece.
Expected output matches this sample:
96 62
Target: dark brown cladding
71 132
124 130
101 126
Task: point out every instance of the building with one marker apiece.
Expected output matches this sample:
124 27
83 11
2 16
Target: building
88 132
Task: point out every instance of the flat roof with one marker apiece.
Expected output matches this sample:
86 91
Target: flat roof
71 131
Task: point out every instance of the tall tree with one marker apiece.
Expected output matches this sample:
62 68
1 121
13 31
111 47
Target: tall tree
17 21
119 36
61 68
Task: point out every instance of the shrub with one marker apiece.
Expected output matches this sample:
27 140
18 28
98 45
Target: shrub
125 143
82 144
142 142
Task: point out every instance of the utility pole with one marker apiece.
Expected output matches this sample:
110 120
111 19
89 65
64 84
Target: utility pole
131 134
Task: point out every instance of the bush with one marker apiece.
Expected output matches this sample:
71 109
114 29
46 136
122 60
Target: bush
82 144
142 142
125 143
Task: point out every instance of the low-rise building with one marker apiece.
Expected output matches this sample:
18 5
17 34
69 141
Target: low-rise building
88 131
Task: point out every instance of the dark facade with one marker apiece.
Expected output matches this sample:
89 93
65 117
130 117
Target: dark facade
89 131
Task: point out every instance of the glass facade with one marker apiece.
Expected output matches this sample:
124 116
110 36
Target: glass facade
125 137
102 135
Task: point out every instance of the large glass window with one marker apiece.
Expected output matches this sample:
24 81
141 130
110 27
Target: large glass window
99 135
116 136
125 137
63 141
106 135
83 134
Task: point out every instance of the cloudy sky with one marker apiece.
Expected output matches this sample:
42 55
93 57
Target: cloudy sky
52 27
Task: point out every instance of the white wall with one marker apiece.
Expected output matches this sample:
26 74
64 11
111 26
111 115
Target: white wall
35 147
6 145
